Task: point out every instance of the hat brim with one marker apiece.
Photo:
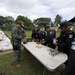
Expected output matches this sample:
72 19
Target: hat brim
22 25
47 28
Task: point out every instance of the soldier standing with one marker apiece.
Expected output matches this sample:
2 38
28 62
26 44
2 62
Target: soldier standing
17 35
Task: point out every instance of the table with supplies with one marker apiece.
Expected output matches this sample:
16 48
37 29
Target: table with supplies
50 58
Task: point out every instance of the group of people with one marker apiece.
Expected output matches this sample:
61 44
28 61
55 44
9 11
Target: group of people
41 37
65 43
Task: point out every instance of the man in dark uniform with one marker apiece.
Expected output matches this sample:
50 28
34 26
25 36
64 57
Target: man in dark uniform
65 38
70 68
51 35
41 35
34 35
17 35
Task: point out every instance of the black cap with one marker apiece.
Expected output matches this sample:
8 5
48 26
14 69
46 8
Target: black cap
47 26
63 24
33 30
38 29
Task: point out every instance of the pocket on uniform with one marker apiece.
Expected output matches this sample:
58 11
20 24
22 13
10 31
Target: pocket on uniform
15 45
16 42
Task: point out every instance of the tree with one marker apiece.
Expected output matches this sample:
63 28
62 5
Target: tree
42 21
58 20
52 24
27 22
6 22
9 20
1 20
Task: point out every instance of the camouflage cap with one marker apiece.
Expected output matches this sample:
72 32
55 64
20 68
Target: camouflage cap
21 23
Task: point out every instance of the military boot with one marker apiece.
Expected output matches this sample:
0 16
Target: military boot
18 65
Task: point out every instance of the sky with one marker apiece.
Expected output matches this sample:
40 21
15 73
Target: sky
38 8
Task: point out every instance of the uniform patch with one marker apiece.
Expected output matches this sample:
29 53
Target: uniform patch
73 45
70 36
43 33
51 32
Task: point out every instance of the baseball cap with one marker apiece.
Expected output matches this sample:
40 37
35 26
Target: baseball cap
38 29
63 24
47 26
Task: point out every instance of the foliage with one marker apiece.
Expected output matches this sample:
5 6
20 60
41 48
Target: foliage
2 20
42 21
8 20
58 20
8 27
27 22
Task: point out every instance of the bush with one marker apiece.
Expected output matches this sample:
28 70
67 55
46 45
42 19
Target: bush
3 28
8 28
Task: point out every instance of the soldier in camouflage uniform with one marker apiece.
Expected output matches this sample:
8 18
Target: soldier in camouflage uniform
17 35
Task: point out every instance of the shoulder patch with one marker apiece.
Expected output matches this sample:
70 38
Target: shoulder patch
73 45
43 33
70 36
51 32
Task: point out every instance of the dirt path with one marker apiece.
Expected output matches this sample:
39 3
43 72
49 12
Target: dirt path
6 52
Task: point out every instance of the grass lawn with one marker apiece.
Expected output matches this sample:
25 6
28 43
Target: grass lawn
30 65
28 33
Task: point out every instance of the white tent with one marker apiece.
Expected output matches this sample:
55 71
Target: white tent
5 43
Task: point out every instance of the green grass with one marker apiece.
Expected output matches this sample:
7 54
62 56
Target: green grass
58 33
30 65
28 33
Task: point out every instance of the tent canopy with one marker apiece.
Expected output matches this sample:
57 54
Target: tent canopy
72 20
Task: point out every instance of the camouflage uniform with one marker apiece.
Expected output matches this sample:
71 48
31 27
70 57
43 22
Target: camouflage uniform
17 35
